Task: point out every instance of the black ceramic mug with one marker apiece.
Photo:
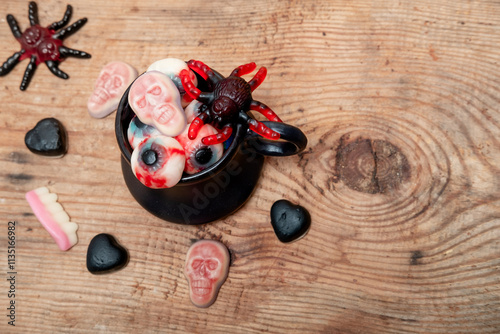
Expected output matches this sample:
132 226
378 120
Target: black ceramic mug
220 189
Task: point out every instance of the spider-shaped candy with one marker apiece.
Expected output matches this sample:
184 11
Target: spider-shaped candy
42 45
228 102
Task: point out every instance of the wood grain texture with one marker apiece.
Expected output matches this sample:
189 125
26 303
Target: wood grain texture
400 102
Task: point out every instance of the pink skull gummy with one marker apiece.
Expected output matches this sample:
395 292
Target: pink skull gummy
110 85
207 266
156 101
173 67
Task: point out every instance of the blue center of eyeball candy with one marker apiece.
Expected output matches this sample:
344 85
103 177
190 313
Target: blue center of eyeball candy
137 122
204 155
149 157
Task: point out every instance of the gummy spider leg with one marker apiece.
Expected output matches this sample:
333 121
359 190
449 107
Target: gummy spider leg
264 110
259 128
243 69
205 72
12 61
62 34
258 78
192 90
221 137
198 122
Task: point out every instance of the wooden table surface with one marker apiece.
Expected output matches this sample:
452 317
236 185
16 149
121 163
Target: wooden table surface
400 103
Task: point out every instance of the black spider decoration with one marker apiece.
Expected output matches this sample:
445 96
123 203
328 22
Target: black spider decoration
42 45
228 102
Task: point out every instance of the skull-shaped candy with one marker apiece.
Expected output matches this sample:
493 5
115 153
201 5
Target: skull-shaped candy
156 101
110 85
173 67
206 269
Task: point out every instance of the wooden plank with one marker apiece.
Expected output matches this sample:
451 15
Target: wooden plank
400 104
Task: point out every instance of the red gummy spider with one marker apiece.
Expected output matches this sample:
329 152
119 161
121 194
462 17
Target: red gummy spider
42 45
228 102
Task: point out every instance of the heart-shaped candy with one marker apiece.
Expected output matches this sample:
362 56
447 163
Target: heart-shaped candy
290 222
105 254
48 138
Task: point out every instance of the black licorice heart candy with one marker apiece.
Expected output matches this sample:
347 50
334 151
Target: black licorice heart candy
48 138
105 254
290 221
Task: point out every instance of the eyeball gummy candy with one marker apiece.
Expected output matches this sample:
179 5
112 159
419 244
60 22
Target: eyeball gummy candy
198 155
158 162
138 131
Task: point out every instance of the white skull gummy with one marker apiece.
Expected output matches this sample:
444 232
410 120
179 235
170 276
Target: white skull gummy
173 67
110 85
207 266
156 101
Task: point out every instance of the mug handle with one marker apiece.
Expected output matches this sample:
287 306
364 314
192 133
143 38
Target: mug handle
292 140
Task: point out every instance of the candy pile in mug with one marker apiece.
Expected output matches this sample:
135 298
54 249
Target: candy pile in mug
158 133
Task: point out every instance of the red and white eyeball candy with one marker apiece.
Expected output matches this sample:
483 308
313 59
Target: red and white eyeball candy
198 155
138 131
156 101
158 162
206 269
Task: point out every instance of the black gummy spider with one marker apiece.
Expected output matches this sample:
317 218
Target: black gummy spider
228 103
42 45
